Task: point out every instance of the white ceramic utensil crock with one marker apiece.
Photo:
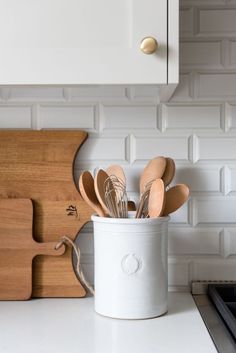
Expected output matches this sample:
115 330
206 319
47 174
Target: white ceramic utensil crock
130 266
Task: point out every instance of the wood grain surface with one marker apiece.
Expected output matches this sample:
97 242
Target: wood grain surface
18 248
39 165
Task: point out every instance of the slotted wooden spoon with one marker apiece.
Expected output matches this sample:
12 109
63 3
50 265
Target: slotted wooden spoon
86 186
153 170
156 201
175 198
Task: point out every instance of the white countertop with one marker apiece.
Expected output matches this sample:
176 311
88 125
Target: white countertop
71 326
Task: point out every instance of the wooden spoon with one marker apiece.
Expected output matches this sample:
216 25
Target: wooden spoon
118 171
99 186
175 198
153 170
169 172
156 198
86 186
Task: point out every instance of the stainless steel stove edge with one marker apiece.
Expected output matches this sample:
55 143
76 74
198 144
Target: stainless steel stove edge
216 327
200 287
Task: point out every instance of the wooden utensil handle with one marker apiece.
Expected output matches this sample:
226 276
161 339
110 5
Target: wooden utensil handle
48 249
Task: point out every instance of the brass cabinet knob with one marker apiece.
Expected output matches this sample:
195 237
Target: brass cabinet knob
149 45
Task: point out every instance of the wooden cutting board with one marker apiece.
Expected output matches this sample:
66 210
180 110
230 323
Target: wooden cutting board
18 248
39 165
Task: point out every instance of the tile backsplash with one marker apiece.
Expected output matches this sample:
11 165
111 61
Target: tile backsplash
197 128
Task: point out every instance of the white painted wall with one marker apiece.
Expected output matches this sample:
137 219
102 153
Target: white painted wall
197 128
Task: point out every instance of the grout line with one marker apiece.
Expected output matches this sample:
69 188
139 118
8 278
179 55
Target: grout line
195 85
196 20
67 93
223 251
193 148
191 210
228 117
5 93
35 120
131 148
224 53
130 93
98 118
223 123
162 119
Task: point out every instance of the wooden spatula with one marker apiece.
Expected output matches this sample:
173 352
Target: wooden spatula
17 249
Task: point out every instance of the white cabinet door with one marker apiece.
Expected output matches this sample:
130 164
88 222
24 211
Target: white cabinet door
82 41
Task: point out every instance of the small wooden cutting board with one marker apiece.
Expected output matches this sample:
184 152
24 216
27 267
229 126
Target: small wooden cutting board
18 248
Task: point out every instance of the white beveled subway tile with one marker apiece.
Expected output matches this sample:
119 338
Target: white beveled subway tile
232 170
178 273
103 149
80 166
216 85
217 22
225 180
100 92
88 267
133 174
230 233
130 117
186 21
174 147
183 90
146 93
217 148
198 54
36 93
231 115
67 116
180 216
192 117
193 241
15 117
4 93
215 269
209 210
202 2
232 52
85 241
199 179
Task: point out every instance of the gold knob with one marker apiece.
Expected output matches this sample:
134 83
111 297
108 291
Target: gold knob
149 45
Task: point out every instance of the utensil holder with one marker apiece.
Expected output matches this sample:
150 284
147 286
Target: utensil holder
130 266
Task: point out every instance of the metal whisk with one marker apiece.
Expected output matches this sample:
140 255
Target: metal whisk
116 197
142 210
